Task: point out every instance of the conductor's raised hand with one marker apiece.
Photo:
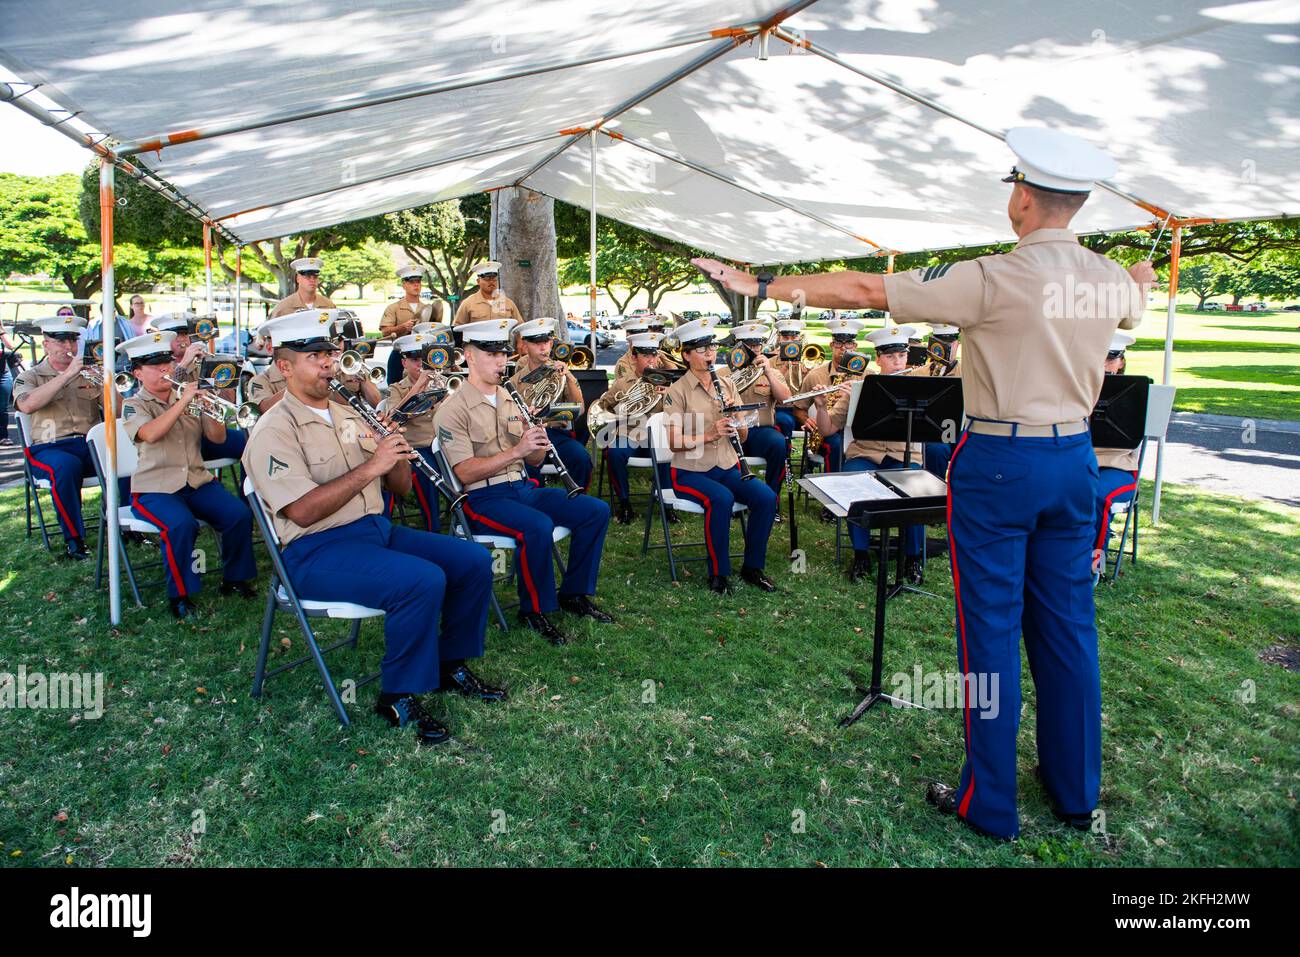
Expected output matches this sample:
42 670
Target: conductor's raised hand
1143 273
737 280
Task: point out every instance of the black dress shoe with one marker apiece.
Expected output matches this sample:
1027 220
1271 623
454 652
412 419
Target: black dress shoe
1080 822
720 584
182 607
913 570
756 578
861 566
777 519
673 517
945 799
408 709
826 517
242 589
623 513
76 550
584 606
542 625
463 681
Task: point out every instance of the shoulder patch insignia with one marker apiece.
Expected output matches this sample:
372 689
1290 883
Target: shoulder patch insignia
275 465
254 387
935 272
128 410
444 434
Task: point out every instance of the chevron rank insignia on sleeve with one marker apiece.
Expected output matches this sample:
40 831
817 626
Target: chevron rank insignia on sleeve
935 272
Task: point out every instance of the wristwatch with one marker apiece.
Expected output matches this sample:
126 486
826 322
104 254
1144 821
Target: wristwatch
763 279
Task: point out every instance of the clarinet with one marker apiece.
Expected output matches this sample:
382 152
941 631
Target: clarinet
372 419
552 456
745 473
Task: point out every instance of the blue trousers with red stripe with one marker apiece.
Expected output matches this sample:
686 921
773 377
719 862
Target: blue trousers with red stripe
529 513
717 490
1113 485
766 442
785 422
913 535
433 589
572 453
617 454
1021 524
177 513
832 452
937 457
65 464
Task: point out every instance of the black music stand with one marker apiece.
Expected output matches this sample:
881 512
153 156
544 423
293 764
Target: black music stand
1119 418
594 383
894 408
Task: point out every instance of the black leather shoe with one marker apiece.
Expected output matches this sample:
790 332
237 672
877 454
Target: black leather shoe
673 517
463 681
777 519
945 799
861 566
409 710
76 550
623 513
826 517
542 625
913 571
720 584
242 589
182 607
756 578
1080 822
584 606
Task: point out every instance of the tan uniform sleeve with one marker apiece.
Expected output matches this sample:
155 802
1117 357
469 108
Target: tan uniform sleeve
452 422
389 319
950 292
275 461
462 313
24 384
136 414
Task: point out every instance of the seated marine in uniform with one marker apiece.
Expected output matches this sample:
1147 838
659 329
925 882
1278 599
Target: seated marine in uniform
536 339
268 387
788 417
764 440
319 468
844 340
943 338
401 317
170 488
418 379
705 467
63 405
867 455
622 440
487 443
188 352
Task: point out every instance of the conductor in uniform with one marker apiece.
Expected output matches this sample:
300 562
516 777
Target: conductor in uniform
487 444
171 488
319 469
488 301
307 277
1022 484
705 468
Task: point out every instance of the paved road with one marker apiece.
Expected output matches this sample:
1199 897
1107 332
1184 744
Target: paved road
1213 452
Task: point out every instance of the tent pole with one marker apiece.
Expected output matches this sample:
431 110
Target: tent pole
239 292
111 531
207 265
1174 254
592 255
889 271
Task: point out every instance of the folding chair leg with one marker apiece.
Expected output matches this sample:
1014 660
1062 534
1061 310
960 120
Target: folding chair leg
356 630
130 572
27 500
496 607
559 559
319 658
264 645
649 515
40 518
668 541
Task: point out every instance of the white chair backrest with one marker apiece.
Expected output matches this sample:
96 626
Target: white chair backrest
1160 404
24 427
449 473
856 386
251 493
660 453
127 459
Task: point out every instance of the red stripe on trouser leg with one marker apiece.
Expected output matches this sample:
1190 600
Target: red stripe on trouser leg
167 543
961 631
424 502
1105 511
613 482
708 515
523 552
54 492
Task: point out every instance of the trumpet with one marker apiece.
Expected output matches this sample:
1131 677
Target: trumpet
352 363
208 403
123 382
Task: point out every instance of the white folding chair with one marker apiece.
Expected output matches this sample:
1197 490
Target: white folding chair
35 482
461 527
282 596
1160 405
665 498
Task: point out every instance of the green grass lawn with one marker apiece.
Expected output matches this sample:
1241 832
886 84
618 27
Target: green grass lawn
738 744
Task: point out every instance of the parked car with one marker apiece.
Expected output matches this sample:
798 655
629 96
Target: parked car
581 333
689 315
1294 307
1212 307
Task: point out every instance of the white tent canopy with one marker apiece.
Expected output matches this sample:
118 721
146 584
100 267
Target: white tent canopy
883 136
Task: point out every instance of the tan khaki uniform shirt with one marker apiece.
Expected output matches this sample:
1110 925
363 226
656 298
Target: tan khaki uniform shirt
876 450
470 427
266 384
475 307
293 303
794 373
693 406
293 450
174 461
1036 324
761 391
72 411
400 312
419 430
525 365
1125 459
623 367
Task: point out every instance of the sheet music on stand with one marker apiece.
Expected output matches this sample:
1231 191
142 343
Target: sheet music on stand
845 488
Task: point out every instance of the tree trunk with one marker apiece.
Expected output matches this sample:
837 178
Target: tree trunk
523 231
